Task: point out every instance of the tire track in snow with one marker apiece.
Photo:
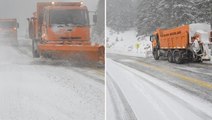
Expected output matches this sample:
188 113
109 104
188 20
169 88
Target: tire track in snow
186 85
122 108
23 51
59 97
186 104
89 76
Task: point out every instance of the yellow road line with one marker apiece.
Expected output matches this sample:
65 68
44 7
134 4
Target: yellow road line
178 75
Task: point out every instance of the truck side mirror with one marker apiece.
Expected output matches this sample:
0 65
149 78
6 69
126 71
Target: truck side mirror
151 38
17 25
95 18
32 18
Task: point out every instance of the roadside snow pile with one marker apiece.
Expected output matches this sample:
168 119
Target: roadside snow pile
127 43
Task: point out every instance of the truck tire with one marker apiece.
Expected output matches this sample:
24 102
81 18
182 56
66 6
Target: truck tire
35 53
156 54
178 57
170 57
199 60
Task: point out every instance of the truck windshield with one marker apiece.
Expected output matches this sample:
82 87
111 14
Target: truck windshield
73 17
7 24
152 37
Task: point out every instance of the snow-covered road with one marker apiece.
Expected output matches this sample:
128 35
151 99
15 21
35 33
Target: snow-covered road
158 90
39 89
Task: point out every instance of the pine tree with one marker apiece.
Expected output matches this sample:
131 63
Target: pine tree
98 34
120 14
153 14
204 11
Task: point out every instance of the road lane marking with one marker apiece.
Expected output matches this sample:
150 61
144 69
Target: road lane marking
178 75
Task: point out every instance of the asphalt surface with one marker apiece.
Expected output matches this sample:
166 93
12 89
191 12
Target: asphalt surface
194 78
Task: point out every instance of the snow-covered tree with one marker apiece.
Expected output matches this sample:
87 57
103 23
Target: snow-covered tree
148 16
120 14
152 14
99 29
204 13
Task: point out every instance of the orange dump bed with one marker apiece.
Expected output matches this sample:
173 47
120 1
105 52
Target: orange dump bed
176 38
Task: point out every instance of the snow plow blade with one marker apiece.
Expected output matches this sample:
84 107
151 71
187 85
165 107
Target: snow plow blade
73 52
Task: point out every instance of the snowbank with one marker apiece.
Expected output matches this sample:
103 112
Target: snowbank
127 43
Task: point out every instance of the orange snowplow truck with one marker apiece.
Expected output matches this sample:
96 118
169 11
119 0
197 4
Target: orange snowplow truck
184 43
8 28
62 30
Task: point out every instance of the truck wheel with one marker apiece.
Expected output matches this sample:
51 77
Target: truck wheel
170 57
156 54
178 57
199 60
35 53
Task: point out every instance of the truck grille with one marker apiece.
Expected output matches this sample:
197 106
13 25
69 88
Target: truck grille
70 38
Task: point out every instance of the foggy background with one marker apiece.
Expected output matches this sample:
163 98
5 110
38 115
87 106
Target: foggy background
22 9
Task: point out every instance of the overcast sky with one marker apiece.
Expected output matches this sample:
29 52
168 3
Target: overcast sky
22 9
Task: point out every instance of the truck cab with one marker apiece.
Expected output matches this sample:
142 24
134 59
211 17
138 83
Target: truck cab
154 38
8 28
66 23
61 30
